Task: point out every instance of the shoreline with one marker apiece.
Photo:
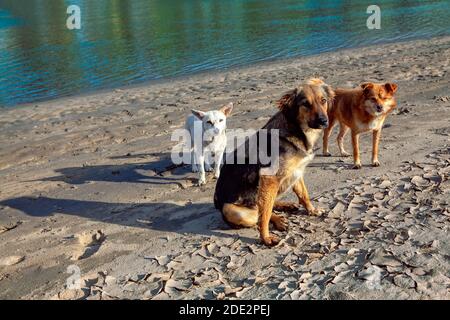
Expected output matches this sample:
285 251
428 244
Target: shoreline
222 71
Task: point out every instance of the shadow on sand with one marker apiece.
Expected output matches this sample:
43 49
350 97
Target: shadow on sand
196 218
151 173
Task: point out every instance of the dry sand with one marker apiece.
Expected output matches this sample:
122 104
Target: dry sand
87 181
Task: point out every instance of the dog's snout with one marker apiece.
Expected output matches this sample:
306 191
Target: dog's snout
319 122
322 121
379 108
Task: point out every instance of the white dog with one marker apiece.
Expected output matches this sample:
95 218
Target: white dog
208 140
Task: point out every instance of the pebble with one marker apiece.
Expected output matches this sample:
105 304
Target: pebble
404 281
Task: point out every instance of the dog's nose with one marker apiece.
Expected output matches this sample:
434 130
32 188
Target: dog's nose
322 121
379 108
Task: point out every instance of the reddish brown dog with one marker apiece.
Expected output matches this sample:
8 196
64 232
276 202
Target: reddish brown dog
361 109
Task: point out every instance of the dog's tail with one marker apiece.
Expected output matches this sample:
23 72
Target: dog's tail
239 216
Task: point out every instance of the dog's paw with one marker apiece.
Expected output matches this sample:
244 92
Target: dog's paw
281 224
217 174
345 154
326 154
201 182
316 212
271 240
376 163
357 166
194 168
208 168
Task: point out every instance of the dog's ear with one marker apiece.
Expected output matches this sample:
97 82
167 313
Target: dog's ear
287 99
391 87
198 114
326 88
366 86
315 82
329 92
226 110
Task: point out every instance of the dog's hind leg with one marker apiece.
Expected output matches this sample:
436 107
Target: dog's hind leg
244 217
240 216
193 162
340 139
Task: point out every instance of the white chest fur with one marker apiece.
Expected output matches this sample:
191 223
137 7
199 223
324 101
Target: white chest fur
375 124
296 174
217 145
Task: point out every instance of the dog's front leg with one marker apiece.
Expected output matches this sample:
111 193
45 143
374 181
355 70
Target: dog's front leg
326 136
303 197
201 167
355 142
375 143
267 193
218 158
209 161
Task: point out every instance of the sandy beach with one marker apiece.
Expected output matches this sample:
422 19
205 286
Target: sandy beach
87 182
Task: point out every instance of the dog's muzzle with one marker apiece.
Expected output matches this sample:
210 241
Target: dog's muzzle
319 123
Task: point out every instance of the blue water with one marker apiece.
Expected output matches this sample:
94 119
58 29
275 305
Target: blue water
124 42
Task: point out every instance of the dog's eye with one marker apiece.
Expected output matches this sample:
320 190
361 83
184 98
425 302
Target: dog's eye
374 99
324 100
209 122
220 120
307 104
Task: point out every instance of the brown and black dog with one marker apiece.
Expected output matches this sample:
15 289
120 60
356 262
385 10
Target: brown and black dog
246 194
361 109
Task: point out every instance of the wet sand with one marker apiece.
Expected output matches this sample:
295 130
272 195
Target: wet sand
87 181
